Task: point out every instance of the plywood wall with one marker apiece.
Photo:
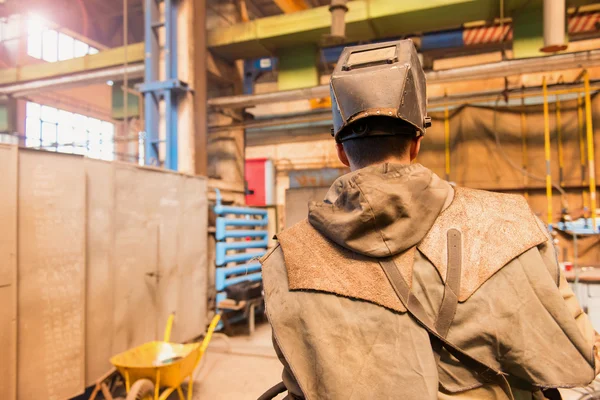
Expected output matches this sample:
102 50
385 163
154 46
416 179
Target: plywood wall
147 255
51 276
100 255
100 301
8 271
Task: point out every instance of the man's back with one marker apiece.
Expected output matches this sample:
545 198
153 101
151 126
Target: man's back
345 330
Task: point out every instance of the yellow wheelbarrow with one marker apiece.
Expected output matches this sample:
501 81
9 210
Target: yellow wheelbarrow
155 365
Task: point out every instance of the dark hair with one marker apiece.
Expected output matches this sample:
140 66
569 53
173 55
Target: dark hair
369 150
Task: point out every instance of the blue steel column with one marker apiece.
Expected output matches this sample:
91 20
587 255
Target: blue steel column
155 89
151 98
171 159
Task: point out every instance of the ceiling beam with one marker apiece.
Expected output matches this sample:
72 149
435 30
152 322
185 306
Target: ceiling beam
104 59
222 70
365 20
290 6
254 9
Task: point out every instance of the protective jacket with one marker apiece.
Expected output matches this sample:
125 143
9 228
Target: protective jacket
399 286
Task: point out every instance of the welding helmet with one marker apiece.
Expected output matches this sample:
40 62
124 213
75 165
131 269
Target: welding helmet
378 80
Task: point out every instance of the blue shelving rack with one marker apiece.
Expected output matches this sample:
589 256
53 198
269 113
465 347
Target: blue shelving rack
238 229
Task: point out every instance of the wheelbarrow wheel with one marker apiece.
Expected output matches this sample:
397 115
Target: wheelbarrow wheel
141 390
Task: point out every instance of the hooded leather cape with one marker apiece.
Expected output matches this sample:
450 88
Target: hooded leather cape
344 329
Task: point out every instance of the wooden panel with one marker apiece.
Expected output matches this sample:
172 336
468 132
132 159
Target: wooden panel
165 204
8 271
100 302
191 259
135 256
51 273
146 258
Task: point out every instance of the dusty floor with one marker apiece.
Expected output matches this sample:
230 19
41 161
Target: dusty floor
577 394
239 367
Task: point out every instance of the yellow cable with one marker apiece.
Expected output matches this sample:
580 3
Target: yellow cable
524 143
547 152
590 147
581 136
559 138
447 140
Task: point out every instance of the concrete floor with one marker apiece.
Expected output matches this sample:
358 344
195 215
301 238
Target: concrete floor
239 367
576 394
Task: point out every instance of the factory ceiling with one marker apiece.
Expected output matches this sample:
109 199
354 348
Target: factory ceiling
100 20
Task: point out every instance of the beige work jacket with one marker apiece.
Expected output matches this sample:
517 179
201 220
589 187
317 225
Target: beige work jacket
343 331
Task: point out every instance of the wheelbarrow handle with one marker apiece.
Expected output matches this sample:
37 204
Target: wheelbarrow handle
169 327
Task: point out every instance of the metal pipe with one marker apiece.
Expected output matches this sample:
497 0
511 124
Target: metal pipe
524 145
581 147
151 111
516 67
581 137
547 152
435 102
78 79
274 122
493 95
243 10
560 143
125 75
484 71
338 11
590 148
447 142
554 26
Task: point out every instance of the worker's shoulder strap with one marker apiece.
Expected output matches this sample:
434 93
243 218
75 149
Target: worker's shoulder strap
438 330
495 228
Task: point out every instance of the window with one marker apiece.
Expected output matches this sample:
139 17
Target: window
3 28
58 130
51 45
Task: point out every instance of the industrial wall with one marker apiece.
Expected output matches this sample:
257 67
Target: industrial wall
94 256
476 158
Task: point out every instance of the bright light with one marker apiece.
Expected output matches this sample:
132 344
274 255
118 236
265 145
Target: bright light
110 83
35 24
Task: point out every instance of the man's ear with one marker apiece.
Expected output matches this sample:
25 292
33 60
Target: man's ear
342 154
415 147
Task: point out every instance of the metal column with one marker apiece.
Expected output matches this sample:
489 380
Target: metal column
155 89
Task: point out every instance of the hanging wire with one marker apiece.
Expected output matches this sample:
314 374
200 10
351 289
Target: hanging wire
563 194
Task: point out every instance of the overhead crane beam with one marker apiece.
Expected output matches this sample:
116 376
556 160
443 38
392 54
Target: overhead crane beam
92 69
365 20
104 59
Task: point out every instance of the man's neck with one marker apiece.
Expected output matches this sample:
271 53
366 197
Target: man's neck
391 160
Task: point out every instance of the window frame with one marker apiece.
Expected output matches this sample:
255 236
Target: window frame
51 52
88 136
